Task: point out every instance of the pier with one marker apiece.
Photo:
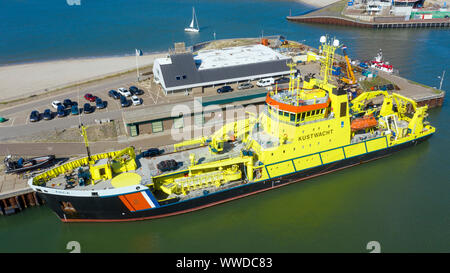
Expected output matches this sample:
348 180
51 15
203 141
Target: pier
15 195
337 14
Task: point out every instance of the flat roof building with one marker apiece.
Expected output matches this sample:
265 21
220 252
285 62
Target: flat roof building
183 71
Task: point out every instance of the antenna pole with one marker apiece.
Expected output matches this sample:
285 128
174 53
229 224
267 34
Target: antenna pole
442 79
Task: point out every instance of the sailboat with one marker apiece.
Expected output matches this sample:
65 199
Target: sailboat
191 27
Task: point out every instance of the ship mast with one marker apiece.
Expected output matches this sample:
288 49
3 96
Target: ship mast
86 143
328 49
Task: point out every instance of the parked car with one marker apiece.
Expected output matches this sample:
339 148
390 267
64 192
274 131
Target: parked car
114 94
87 108
282 80
124 102
245 85
74 110
151 152
56 103
2 119
124 92
224 89
135 91
265 82
99 103
136 100
90 97
35 116
61 111
167 165
48 114
67 103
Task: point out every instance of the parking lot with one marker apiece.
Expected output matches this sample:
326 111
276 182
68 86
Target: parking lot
19 124
22 117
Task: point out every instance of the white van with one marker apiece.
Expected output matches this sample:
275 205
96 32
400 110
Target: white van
265 82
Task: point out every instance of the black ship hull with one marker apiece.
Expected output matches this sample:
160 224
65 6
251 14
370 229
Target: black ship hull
113 209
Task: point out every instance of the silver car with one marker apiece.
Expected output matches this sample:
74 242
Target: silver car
245 85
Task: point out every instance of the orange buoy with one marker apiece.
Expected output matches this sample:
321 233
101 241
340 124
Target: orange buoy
363 123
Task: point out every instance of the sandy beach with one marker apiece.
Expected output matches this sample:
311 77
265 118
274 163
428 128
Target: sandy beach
318 3
23 80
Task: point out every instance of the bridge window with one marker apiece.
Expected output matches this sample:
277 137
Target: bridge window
292 117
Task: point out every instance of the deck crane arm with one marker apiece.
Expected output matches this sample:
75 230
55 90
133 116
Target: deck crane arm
350 75
359 103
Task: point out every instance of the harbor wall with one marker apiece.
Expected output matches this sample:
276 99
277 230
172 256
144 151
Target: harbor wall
431 23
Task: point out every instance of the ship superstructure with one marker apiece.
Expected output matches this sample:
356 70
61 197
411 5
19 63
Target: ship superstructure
309 129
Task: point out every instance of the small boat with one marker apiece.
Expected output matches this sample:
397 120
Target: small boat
22 165
379 64
364 122
191 27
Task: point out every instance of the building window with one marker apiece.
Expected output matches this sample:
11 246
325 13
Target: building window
157 126
199 119
178 123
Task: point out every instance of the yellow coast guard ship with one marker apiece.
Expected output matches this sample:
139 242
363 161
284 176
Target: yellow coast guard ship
309 129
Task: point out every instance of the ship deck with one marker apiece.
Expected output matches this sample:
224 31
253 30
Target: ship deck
147 167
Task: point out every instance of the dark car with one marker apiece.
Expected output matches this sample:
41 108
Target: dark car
114 94
282 80
224 89
167 165
87 108
35 116
99 103
151 152
90 97
67 103
61 111
245 85
135 91
124 102
48 115
74 110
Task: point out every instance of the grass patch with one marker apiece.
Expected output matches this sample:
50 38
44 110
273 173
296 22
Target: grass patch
96 132
367 84
436 91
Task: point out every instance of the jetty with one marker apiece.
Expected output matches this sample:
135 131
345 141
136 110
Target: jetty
340 13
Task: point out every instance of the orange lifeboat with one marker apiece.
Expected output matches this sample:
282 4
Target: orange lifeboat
363 123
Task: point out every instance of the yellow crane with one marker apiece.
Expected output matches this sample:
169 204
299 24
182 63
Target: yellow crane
350 75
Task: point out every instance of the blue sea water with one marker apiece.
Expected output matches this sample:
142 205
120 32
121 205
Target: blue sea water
401 201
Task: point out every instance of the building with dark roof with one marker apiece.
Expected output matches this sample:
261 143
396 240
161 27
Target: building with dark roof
184 71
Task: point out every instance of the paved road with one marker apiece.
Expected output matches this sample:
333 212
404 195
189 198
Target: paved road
19 125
